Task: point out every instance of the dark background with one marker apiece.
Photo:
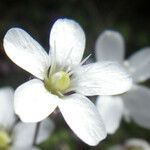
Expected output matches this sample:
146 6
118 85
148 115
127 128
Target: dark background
130 18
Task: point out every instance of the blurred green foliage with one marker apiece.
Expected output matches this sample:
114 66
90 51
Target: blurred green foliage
131 18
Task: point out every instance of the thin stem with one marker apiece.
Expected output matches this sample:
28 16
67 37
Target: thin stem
36 133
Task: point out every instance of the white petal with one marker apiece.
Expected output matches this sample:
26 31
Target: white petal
138 65
67 40
46 128
137 102
23 133
83 118
23 50
111 110
24 148
107 78
110 47
126 115
138 143
33 102
7 115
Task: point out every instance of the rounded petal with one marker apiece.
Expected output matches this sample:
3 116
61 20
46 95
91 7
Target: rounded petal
107 78
83 118
33 102
110 46
138 65
67 42
111 110
137 102
23 133
7 115
24 51
139 143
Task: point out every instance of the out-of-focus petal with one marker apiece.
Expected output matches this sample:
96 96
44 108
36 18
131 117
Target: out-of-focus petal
7 115
33 102
138 65
107 78
137 102
24 148
111 110
46 128
83 118
110 46
23 50
138 143
24 133
67 42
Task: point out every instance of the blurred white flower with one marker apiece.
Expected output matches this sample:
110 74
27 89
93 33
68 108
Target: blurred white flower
62 80
23 134
132 144
134 103
18 136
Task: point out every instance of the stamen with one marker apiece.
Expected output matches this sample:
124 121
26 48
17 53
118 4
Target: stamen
60 94
66 58
82 62
85 59
53 60
68 69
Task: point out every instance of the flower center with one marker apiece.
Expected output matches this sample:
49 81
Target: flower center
4 140
58 82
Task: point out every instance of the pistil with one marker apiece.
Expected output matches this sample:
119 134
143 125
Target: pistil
58 82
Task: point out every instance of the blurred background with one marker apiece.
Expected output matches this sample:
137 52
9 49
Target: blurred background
130 18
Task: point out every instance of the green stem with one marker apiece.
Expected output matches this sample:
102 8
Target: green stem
36 133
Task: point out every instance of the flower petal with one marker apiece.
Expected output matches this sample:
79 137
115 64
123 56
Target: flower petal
24 148
110 46
33 102
67 40
139 143
23 50
107 78
7 115
46 129
83 118
24 133
138 65
137 102
111 110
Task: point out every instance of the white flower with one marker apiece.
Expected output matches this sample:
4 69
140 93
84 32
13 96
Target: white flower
132 144
62 81
19 136
23 134
136 102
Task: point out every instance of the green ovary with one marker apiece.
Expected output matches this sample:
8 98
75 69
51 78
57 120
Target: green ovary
4 140
58 82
